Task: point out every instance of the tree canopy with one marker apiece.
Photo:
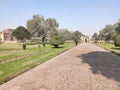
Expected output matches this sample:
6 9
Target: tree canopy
21 33
117 40
35 25
50 26
40 27
95 36
65 34
118 28
109 32
76 36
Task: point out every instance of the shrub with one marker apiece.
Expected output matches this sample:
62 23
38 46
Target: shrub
117 40
24 46
56 41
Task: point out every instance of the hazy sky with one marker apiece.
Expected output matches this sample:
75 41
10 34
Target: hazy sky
87 16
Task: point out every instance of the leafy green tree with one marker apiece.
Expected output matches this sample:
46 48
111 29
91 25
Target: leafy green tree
51 23
65 34
101 35
21 33
35 25
108 33
117 40
76 37
77 33
52 33
96 37
39 27
56 41
50 27
118 28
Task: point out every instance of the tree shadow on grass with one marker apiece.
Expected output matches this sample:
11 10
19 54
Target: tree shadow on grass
58 47
104 63
116 48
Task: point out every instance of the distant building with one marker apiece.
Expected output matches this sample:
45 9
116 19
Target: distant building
6 35
85 38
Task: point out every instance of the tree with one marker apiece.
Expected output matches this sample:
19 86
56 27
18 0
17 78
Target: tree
56 41
101 35
51 23
65 34
35 25
117 29
50 26
107 33
76 37
21 33
117 40
95 36
39 27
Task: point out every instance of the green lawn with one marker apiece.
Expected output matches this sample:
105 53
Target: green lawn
17 61
109 47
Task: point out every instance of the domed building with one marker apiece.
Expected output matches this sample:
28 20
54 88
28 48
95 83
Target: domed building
86 39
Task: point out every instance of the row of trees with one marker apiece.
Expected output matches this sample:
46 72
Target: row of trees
44 29
108 33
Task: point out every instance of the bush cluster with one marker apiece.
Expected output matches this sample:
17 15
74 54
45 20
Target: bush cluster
117 40
56 41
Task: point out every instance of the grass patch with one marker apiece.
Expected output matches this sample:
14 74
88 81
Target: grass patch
109 47
12 69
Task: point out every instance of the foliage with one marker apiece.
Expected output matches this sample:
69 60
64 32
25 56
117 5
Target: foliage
56 41
21 33
52 33
65 34
24 46
47 28
118 28
39 27
35 25
117 40
107 33
50 26
76 36
95 36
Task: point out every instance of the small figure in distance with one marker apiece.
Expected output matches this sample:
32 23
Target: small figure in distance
76 40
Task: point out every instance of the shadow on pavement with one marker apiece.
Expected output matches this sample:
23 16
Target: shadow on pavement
104 63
